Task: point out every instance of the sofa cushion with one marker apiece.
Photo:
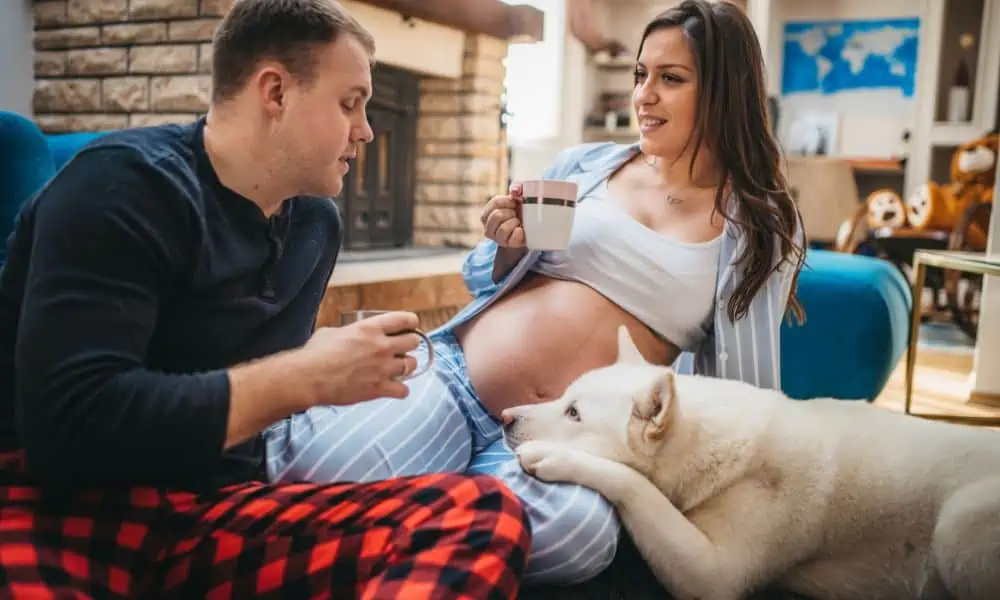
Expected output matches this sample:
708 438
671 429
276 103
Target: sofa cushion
63 146
857 325
25 166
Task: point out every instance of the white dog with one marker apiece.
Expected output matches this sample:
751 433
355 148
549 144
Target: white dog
727 488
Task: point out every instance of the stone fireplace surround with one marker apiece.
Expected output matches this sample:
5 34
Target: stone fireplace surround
110 64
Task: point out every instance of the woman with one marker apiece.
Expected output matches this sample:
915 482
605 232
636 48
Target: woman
688 237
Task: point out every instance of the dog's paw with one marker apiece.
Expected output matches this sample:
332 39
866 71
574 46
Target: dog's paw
552 462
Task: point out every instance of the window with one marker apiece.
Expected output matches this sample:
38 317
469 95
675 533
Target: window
534 77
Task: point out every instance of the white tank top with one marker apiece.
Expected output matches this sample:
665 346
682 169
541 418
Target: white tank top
667 284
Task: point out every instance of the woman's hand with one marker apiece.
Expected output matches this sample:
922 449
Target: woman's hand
502 219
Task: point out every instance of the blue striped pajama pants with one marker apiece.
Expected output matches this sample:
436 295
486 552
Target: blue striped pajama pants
442 427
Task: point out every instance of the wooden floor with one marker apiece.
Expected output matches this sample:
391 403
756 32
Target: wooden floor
940 385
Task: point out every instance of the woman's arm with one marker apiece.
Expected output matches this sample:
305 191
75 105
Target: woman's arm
477 269
488 264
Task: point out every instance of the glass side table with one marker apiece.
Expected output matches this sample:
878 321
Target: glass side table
968 262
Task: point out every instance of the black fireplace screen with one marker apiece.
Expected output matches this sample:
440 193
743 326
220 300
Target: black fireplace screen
377 202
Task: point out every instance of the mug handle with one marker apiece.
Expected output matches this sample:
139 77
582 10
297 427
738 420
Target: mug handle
430 355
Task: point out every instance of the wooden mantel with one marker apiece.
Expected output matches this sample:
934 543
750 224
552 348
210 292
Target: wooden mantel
514 23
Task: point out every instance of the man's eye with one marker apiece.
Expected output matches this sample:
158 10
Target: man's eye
350 105
572 413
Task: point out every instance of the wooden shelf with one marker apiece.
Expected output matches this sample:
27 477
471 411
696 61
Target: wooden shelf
875 165
954 134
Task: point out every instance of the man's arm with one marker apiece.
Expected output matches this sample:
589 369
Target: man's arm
265 391
110 239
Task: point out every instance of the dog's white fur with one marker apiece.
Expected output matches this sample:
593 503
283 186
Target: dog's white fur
726 488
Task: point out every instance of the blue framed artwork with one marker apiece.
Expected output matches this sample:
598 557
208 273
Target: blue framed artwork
837 56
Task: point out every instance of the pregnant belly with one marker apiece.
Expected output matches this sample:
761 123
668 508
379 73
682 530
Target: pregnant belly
532 343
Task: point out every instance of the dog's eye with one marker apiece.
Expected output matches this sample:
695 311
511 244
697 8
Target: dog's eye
572 413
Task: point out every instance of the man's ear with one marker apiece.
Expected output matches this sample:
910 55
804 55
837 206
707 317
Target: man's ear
272 86
657 405
627 350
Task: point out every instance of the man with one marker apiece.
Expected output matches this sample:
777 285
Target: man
156 313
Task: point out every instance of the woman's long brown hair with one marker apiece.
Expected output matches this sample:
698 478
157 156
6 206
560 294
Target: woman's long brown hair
733 122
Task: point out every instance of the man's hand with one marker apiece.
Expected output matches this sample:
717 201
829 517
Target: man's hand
338 365
364 360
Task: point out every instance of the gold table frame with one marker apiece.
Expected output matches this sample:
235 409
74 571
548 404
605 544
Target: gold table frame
968 262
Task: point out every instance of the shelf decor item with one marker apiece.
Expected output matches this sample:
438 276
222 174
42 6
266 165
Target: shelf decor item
940 206
960 91
812 133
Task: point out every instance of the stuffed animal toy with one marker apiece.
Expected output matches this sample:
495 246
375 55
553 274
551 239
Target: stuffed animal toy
973 174
885 210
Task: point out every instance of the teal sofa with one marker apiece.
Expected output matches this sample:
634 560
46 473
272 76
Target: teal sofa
857 307
28 159
856 328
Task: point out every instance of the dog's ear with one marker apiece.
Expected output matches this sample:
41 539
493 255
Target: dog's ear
657 405
627 350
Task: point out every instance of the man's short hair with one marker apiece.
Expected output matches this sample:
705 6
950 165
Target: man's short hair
291 32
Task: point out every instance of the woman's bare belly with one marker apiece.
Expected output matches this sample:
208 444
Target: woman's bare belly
532 343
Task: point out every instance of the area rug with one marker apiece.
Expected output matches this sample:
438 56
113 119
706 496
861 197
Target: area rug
945 337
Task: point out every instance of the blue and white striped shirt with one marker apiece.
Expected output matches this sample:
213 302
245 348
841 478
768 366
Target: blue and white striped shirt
747 350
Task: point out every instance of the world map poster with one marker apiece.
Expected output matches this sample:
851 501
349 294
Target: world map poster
837 56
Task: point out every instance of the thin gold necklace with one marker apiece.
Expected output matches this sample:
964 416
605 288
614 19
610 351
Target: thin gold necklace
671 199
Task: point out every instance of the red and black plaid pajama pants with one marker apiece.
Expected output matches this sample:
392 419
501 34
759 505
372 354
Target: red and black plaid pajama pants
433 536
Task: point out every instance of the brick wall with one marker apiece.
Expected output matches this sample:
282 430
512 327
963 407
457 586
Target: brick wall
109 64
462 151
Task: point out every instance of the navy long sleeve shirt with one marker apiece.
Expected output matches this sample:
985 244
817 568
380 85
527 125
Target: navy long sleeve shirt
133 281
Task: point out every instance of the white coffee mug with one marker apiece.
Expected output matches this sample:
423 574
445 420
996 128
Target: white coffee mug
547 211
353 316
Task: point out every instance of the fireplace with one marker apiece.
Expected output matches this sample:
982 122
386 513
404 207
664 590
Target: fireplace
378 198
